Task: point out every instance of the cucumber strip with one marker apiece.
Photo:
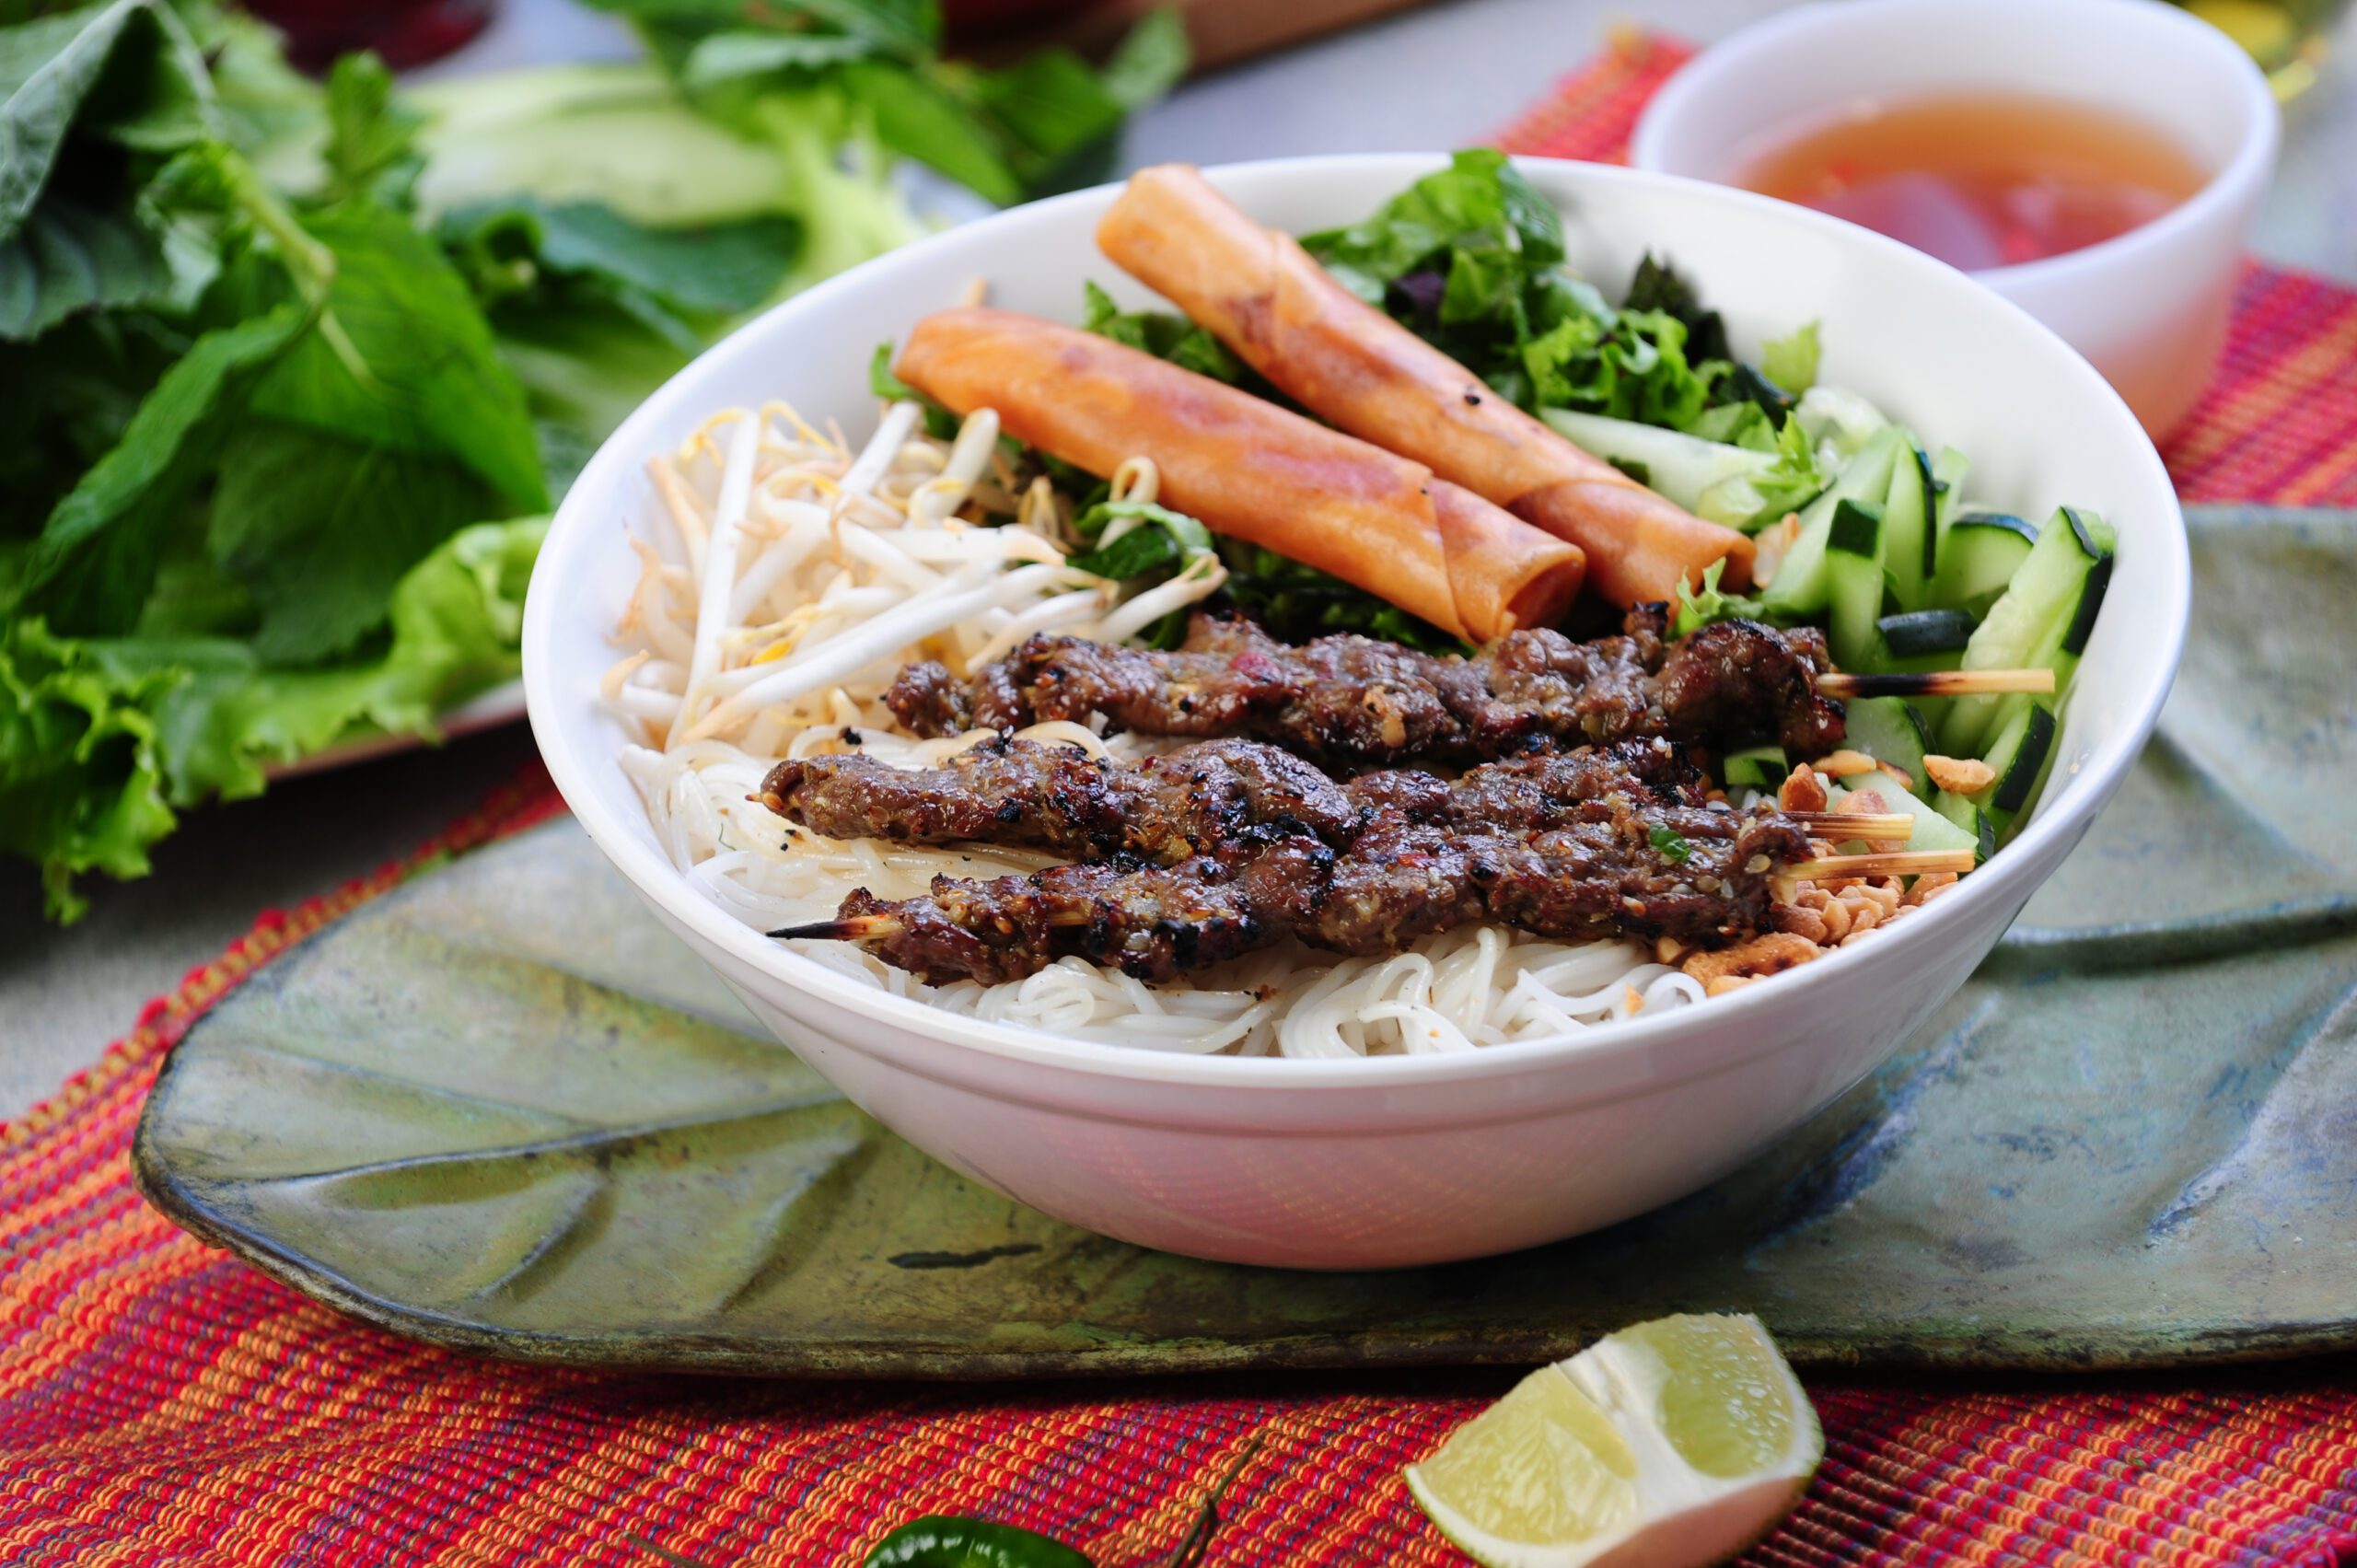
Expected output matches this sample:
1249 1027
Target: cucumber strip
1677 466
1799 588
1760 768
1854 583
1919 632
1961 811
1838 420
1979 557
2021 754
1889 730
1947 483
1932 830
1910 540
2032 627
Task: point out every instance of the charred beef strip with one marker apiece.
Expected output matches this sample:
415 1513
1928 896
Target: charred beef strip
1701 874
1358 699
1054 797
1200 797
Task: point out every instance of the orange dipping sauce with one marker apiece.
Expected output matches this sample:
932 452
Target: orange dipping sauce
1982 180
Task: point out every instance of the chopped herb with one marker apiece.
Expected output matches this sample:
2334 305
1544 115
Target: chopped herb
1669 846
1163 335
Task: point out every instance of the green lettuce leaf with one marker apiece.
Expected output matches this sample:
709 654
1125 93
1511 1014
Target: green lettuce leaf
86 98
1477 212
81 785
126 71
1696 610
103 738
1791 361
1627 363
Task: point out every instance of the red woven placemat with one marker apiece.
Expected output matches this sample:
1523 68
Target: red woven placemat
162 1403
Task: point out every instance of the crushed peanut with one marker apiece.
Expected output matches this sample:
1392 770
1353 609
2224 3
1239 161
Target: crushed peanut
1720 984
1802 791
1800 922
1929 887
1960 775
1844 762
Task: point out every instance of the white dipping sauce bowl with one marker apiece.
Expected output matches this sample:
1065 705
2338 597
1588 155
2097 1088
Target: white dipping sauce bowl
1387 1161
2149 307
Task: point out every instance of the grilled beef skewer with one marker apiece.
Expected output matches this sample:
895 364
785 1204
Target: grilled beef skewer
1701 874
1357 699
1197 797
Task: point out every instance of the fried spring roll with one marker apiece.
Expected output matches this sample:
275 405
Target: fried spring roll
1267 298
1249 469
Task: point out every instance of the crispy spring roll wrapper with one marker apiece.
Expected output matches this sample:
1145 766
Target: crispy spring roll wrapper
1250 470
1267 298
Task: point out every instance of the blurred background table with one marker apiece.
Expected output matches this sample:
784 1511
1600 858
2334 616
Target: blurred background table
1442 75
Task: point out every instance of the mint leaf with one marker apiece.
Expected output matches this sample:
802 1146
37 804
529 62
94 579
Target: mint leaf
914 115
371 151
1058 117
96 557
320 529
404 359
1151 60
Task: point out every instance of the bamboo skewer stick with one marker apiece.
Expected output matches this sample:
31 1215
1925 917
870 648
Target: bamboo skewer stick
1897 863
1938 683
1858 824
856 928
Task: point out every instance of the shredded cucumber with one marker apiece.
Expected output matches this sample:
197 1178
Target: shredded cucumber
1799 589
2040 622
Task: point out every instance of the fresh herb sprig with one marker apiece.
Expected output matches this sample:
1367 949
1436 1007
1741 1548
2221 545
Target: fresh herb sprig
287 371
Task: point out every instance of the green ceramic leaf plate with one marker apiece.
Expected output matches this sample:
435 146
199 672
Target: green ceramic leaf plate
500 1110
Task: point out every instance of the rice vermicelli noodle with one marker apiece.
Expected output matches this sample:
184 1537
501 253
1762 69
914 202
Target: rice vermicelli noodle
786 576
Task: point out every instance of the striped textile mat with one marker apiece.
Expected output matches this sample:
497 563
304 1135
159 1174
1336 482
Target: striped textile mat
161 1403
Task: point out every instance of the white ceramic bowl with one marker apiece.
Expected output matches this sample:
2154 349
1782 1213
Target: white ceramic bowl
2150 306
1410 1160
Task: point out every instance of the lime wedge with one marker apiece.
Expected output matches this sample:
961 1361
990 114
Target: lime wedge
1672 1444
